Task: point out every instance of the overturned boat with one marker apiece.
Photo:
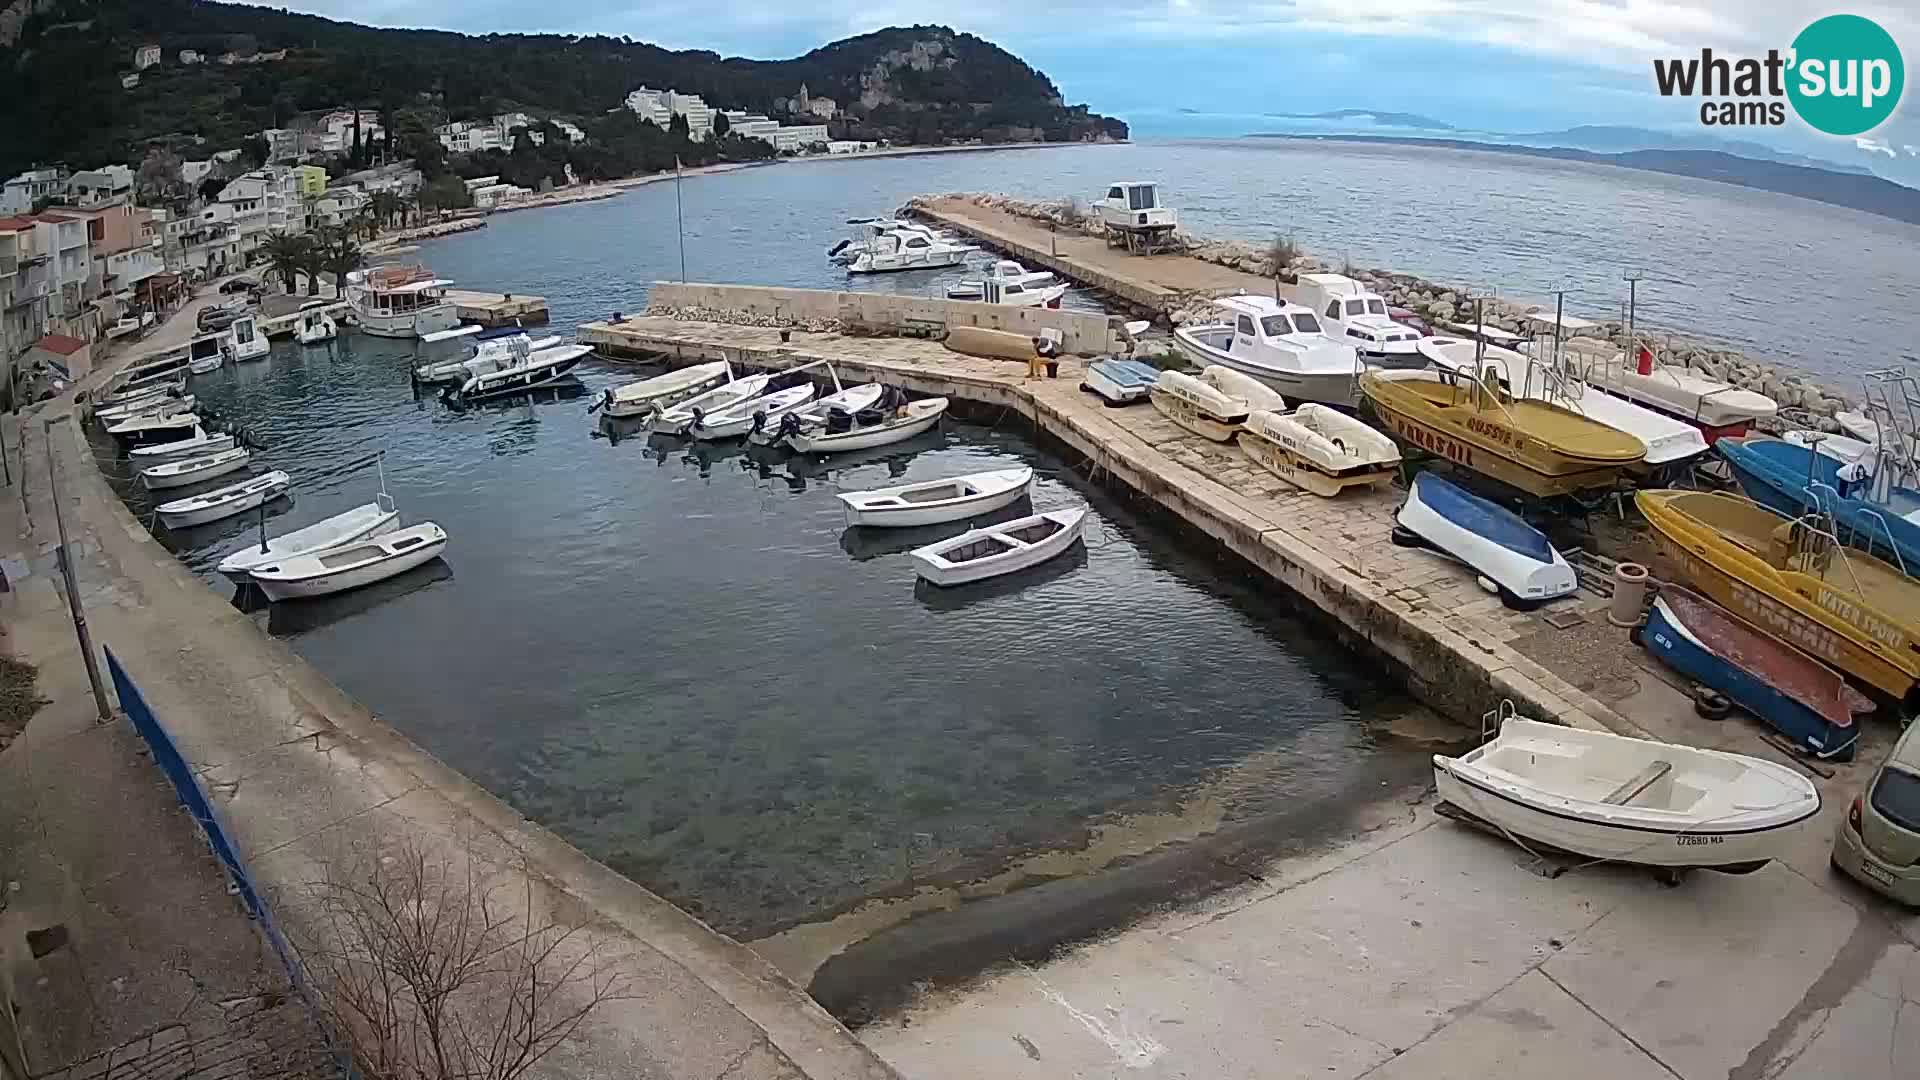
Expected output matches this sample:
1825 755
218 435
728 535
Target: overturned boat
1120 381
1491 540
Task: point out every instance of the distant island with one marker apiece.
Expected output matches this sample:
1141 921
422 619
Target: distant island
1855 191
1378 116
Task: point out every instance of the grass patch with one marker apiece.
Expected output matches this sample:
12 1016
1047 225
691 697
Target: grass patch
19 700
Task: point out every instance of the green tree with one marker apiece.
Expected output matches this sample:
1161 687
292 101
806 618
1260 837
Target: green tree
340 256
313 265
445 192
721 125
383 207
286 255
678 128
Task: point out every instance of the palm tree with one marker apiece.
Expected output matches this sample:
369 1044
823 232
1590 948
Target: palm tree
340 256
286 255
384 205
313 265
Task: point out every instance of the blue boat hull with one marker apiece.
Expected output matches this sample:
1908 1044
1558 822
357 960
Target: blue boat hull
1807 728
1777 477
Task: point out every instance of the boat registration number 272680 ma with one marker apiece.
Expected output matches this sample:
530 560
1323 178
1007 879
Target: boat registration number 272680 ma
1689 838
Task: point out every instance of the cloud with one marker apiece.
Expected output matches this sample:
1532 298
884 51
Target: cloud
1877 146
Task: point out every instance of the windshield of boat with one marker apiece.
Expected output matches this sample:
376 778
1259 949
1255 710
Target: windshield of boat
1896 797
1276 325
1306 322
1376 307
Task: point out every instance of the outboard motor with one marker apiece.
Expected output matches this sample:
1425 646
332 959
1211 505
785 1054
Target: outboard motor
790 425
760 421
699 417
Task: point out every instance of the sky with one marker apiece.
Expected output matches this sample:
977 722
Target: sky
1213 67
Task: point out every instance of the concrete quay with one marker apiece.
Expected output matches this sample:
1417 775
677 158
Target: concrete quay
307 779
1455 647
492 309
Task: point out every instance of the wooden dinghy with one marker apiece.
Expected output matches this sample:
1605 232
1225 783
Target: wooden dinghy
935 502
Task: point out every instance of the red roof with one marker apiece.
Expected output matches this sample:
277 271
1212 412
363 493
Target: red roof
60 344
16 222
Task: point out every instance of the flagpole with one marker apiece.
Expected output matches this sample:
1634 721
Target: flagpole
679 219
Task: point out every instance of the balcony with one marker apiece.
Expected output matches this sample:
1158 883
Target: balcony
9 265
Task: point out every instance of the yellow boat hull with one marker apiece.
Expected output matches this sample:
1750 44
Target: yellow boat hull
1838 625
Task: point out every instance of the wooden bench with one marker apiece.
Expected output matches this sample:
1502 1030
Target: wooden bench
1633 788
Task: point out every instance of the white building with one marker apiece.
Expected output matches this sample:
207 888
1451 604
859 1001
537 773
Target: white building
20 193
189 56
661 106
492 196
333 132
470 137
283 144
336 207
145 57
751 125
570 130
799 138
100 187
261 202
192 172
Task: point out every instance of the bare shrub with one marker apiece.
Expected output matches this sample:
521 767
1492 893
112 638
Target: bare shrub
1280 255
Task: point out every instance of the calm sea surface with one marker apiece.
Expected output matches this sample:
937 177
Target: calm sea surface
1815 287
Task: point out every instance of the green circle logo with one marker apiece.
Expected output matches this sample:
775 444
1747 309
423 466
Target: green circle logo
1846 75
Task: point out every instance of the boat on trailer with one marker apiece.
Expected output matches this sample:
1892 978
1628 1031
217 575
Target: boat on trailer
1120 381
1611 798
1198 407
1494 542
935 502
643 396
338 569
224 502
376 518
1319 449
993 550
1717 407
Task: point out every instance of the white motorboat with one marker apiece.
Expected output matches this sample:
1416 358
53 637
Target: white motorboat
1197 406
1281 345
935 502
848 401
174 379
376 518
315 326
677 419
1614 798
144 406
1494 542
209 352
1004 271
846 251
1352 314
484 357
224 502
752 414
535 370
247 340
1256 394
1668 440
894 249
1320 449
400 301
904 423
1119 380
337 569
978 554
169 425
1844 449
1019 294
1719 407
164 366
197 444
643 396
191 470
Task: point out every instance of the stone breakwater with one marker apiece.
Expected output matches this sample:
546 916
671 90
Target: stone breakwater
1812 404
738 317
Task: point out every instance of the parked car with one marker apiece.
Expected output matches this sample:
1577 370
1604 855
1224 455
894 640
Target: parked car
215 318
1879 842
240 285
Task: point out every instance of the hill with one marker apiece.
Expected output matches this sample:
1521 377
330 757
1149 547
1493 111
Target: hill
1855 191
61 63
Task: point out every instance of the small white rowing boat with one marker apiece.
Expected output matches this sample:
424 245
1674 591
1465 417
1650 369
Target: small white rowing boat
642 396
1319 449
978 554
849 401
192 470
339 569
909 420
676 419
1610 797
764 411
934 502
376 518
1256 394
224 502
150 406
197 444
165 426
1198 407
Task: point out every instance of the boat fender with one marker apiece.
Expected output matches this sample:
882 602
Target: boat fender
1486 584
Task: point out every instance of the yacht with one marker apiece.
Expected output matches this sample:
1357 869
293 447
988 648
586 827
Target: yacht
890 247
400 301
1279 343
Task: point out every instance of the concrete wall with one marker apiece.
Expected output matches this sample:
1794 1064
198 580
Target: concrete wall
1086 333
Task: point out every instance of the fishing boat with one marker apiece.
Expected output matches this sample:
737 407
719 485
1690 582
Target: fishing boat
1256 394
677 419
889 427
1494 542
1004 271
315 326
1607 796
1198 407
1717 407
1019 294
1534 446
247 340
1669 442
1319 449
224 502
935 502
528 372
1793 577
1120 381
1871 512
337 569
191 470
209 352
643 396
1792 692
144 406
199 443
400 302
751 415
1352 314
842 406
1280 344
168 425
376 518
993 550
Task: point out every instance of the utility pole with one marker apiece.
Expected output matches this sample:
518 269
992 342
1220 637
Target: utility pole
679 219
65 561
1633 292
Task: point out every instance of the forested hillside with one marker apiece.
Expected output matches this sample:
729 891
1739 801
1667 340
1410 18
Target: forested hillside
61 64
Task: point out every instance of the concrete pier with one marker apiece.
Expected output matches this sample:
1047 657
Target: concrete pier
499 309
1457 648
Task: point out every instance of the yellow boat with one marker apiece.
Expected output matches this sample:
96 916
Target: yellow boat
1535 446
1791 578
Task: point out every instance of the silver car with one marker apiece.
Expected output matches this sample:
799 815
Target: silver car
1879 842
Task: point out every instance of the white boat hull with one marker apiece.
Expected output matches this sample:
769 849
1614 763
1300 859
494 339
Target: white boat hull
676 419
360 523
413 324
206 365
355 577
920 419
1527 579
934 569
225 465
201 512
662 391
894 508
1337 388
739 420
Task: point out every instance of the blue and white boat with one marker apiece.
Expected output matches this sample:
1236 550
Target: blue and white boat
1119 381
1492 540
1790 691
1879 518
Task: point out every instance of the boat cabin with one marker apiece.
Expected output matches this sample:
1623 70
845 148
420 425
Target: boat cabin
1355 315
206 347
1263 327
1021 294
1135 204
